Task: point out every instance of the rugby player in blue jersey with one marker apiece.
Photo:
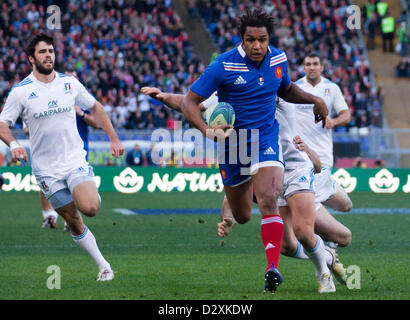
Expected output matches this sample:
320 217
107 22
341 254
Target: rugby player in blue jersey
249 77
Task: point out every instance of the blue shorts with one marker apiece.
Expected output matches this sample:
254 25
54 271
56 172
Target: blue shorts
262 150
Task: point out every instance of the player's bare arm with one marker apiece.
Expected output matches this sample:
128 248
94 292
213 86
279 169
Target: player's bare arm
104 123
302 146
192 111
171 100
294 94
342 119
18 152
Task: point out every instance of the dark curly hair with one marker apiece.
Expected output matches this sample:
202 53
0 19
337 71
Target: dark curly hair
29 50
256 18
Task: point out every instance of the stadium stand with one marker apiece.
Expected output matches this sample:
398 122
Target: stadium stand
303 27
116 47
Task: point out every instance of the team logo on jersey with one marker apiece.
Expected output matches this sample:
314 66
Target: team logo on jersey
44 186
223 173
303 179
52 104
261 80
278 72
269 151
32 96
240 80
67 88
327 92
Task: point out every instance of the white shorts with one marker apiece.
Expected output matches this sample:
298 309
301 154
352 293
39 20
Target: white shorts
325 185
295 181
58 190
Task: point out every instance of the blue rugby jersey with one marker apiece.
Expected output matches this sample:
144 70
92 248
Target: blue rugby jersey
249 88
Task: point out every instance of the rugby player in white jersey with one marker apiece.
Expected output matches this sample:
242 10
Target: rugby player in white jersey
297 201
328 191
45 100
297 204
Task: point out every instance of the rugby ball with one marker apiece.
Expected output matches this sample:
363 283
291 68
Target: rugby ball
220 113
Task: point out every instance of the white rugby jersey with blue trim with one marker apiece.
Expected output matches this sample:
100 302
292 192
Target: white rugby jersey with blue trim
285 114
319 139
250 88
49 113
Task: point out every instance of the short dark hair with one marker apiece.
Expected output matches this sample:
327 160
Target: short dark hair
256 18
312 55
30 48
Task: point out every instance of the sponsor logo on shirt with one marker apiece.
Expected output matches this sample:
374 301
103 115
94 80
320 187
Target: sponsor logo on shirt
53 104
269 151
32 96
303 179
51 112
240 80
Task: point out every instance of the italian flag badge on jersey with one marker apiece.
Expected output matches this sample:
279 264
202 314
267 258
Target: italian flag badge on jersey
67 87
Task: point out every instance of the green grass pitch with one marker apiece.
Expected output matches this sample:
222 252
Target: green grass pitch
179 257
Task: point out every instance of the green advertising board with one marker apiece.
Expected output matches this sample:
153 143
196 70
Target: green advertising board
154 179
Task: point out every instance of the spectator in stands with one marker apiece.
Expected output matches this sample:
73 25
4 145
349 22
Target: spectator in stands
148 156
388 26
380 163
304 26
134 157
173 161
358 163
403 68
128 44
403 39
371 31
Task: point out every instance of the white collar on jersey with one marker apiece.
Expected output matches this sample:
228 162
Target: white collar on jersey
307 82
243 53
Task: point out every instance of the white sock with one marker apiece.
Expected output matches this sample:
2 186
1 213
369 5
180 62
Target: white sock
300 253
320 257
87 241
48 213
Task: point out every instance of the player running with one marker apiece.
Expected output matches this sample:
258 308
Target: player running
298 191
328 191
45 100
250 77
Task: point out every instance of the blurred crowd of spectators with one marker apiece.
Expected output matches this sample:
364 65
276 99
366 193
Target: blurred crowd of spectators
115 46
394 33
301 27
118 46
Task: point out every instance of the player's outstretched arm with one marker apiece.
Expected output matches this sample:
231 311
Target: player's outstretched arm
302 146
18 152
191 109
171 100
104 123
294 94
